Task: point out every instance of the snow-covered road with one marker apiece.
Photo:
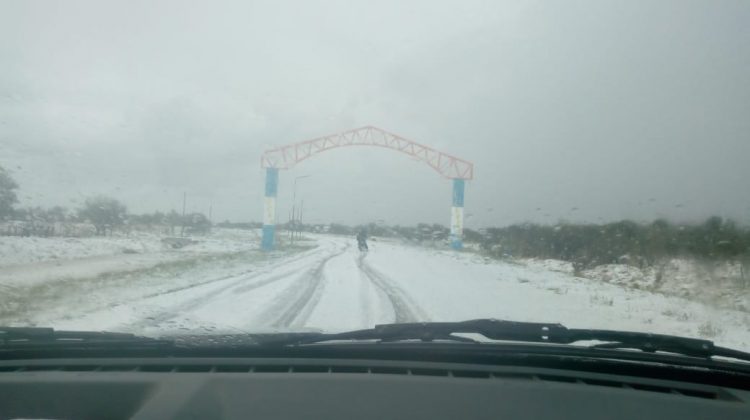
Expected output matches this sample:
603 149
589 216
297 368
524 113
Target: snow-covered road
333 287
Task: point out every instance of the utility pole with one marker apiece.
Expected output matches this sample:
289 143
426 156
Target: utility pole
210 221
184 202
299 218
294 205
289 224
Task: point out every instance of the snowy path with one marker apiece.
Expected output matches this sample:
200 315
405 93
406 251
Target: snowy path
334 288
331 287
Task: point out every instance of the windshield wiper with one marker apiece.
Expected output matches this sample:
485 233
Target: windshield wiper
33 337
534 332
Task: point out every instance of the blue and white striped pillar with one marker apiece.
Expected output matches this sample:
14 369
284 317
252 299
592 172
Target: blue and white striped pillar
269 209
457 214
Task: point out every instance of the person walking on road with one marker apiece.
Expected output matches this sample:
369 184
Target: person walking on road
362 241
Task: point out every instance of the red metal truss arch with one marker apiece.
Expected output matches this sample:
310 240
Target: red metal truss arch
285 157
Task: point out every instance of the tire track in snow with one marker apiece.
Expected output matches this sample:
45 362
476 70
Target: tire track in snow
299 299
205 299
367 298
264 270
404 309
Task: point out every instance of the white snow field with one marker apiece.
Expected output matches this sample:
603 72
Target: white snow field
227 285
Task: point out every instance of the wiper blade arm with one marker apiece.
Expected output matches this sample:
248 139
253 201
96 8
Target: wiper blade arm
430 331
535 332
643 341
14 337
424 331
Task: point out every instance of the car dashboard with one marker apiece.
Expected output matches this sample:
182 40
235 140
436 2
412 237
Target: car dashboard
234 388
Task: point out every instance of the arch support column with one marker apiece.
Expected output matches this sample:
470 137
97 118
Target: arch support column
269 209
457 214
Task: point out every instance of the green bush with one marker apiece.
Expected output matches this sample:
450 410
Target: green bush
624 241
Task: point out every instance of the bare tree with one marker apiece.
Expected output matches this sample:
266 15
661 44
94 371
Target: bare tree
104 213
7 193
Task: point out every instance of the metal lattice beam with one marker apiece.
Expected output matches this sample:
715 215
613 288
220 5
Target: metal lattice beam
285 157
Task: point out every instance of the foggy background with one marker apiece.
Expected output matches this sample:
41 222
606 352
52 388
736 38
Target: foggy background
578 110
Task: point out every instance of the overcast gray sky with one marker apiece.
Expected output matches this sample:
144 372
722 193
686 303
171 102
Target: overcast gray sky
579 110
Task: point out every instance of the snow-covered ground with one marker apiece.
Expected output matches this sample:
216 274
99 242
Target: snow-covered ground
16 250
30 261
717 283
329 285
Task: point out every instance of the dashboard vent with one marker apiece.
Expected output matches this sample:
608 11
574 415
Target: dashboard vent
694 391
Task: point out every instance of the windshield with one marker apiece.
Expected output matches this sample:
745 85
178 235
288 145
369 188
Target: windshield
172 168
